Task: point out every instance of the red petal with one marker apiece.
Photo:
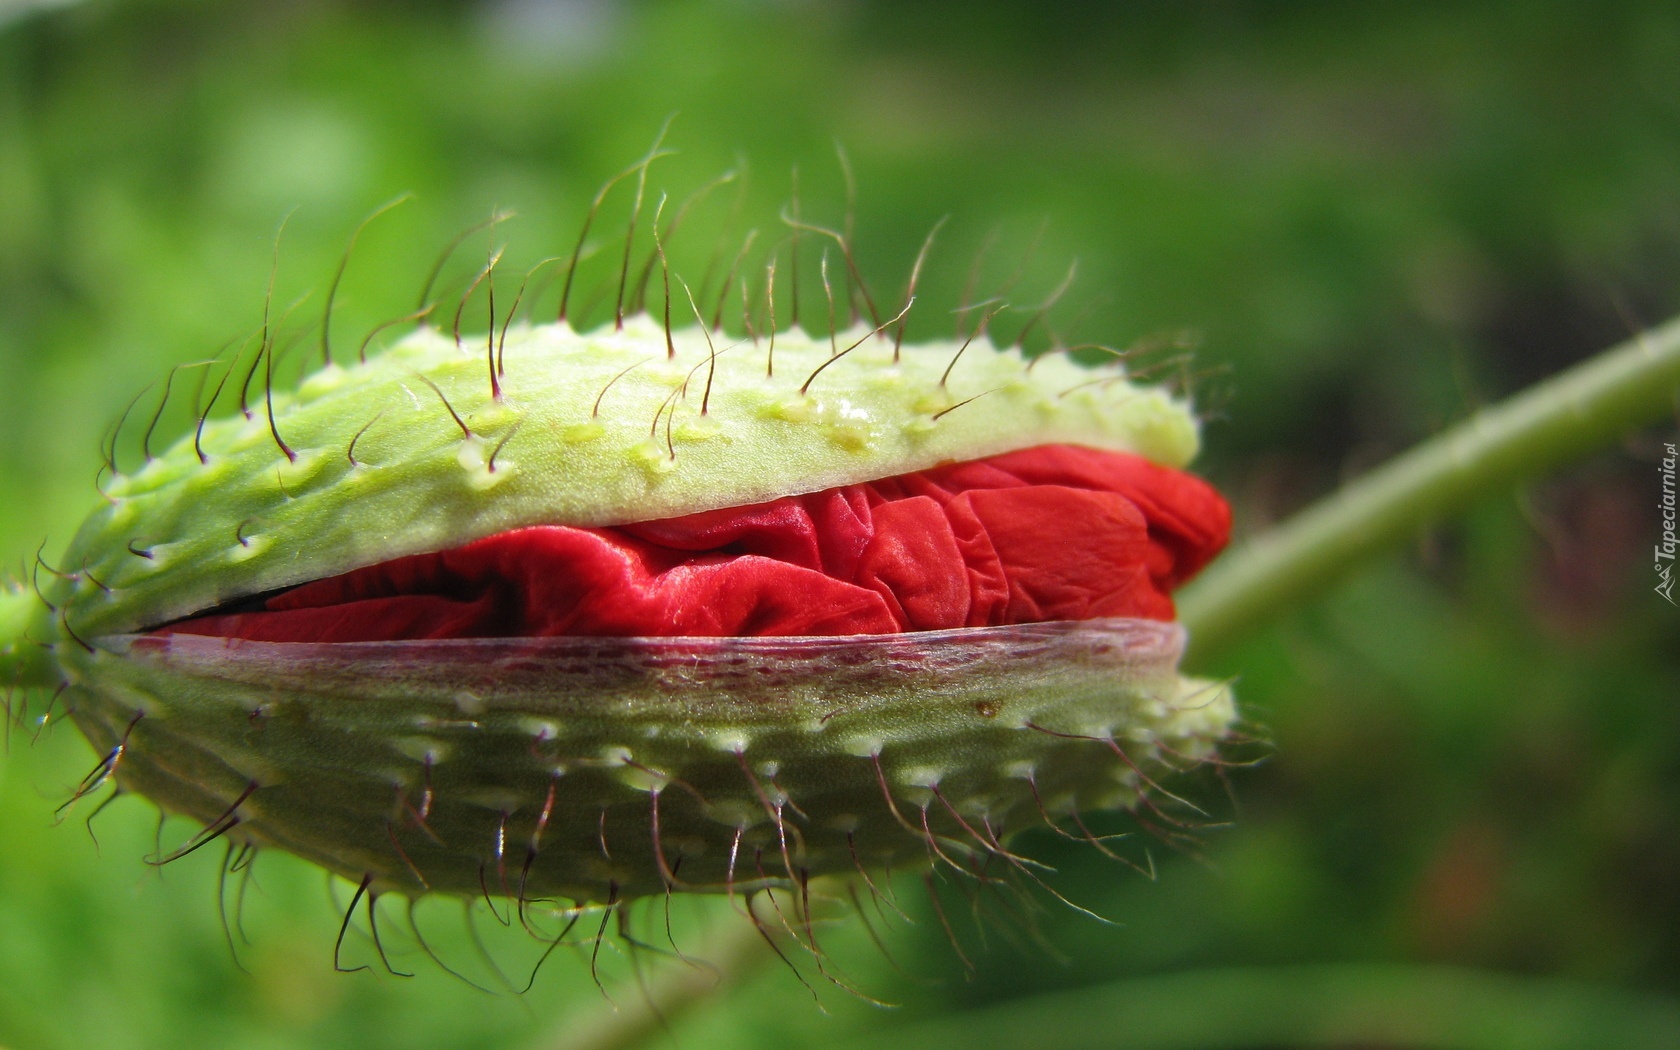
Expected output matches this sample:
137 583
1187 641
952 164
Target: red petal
1057 532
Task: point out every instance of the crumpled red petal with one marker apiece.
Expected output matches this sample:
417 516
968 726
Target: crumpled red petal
1057 532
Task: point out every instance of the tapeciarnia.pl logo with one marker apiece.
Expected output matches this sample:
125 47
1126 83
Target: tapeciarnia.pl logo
1667 543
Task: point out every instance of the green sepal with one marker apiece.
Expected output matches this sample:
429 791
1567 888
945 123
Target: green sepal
627 765
417 451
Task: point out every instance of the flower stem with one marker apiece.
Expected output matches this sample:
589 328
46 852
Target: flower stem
1563 418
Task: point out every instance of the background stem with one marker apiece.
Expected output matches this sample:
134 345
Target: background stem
1561 419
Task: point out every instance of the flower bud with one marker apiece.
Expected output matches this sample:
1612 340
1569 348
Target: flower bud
528 763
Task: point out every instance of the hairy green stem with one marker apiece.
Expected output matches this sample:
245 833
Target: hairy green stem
1568 416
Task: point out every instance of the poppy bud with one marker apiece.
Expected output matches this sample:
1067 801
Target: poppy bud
604 614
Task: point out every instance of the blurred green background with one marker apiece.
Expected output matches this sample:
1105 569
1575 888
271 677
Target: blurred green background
1377 216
